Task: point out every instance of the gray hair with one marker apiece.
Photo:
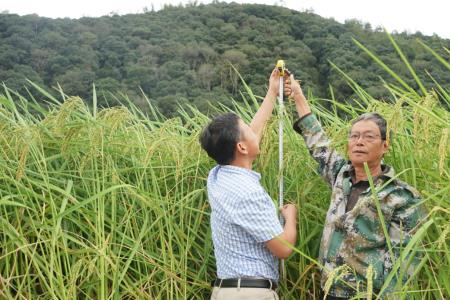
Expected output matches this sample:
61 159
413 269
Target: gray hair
377 119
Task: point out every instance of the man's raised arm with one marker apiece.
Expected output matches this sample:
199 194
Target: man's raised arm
265 110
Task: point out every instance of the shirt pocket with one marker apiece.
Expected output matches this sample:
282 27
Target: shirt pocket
368 224
386 210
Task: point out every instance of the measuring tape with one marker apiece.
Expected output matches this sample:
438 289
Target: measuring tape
282 68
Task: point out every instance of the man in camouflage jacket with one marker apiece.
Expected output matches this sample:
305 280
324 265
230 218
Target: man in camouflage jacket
354 245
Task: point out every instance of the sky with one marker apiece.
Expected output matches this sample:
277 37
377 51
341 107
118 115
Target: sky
429 17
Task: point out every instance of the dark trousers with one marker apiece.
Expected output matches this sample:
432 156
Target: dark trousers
322 295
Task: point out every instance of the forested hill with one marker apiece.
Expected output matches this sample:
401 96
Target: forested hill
183 53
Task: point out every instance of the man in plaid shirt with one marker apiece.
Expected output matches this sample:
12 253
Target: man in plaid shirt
247 235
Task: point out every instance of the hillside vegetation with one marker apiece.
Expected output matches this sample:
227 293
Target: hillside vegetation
183 54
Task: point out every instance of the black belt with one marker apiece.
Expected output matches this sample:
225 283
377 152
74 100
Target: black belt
245 283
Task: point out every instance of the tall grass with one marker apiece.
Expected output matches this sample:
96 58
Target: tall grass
111 203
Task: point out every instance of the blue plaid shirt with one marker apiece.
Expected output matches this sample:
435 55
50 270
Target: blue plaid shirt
243 218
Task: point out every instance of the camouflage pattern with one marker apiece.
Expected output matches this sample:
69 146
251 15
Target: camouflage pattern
354 240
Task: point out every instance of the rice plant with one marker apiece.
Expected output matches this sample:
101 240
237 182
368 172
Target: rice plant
111 203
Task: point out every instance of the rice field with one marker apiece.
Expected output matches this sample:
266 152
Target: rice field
111 203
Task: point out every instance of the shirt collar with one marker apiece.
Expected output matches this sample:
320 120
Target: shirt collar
387 172
238 170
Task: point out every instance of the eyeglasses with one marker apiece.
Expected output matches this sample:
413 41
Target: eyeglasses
368 137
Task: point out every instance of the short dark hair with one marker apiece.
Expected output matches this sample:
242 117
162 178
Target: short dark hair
220 136
377 119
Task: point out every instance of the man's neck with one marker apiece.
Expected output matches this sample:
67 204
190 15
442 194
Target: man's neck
242 163
360 173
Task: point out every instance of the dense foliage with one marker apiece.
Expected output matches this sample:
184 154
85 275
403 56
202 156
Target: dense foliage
183 54
111 203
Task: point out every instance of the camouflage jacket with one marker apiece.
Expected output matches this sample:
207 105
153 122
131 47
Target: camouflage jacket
354 240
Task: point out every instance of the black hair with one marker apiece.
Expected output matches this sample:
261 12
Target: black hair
377 119
220 136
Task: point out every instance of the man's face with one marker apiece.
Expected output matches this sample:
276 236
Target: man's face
248 140
365 144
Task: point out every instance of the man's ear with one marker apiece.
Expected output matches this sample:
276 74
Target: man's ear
385 147
241 147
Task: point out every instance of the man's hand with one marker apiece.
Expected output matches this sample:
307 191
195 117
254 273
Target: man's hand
289 213
292 87
274 83
279 246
